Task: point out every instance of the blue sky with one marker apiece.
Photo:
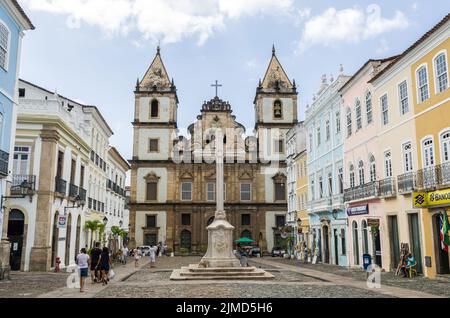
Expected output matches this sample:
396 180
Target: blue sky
94 50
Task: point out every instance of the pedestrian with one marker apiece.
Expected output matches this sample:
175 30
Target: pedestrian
158 249
125 255
95 256
137 257
244 257
152 253
104 264
83 266
165 249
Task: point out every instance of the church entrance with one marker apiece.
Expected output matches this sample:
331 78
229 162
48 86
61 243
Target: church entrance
16 229
185 240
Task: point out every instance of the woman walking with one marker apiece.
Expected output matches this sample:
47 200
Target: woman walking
83 265
104 263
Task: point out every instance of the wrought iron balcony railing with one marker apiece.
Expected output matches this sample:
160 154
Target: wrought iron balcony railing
407 182
387 187
4 159
433 178
73 190
60 186
17 181
82 194
364 191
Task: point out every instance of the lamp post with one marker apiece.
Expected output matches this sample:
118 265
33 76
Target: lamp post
5 267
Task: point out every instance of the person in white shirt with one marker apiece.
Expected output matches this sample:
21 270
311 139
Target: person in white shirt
83 265
152 252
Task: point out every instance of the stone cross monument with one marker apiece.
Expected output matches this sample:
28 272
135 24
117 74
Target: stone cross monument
220 232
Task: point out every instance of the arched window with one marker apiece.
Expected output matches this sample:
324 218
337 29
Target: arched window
4 45
365 237
422 84
349 122
440 69
355 243
352 176
428 152
154 109
277 109
373 171
369 107
361 172
358 115
445 142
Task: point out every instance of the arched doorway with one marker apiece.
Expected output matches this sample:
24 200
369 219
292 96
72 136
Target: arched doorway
16 229
326 245
185 240
355 243
55 238
68 238
442 261
365 237
77 238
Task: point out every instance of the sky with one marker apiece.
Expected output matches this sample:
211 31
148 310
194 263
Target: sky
93 51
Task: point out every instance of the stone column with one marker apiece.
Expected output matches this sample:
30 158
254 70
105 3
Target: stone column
40 258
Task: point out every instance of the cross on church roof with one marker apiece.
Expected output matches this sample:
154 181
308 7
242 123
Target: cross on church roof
217 85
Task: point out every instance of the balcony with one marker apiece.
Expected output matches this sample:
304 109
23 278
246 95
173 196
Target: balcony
82 194
73 191
365 191
4 159
407 183
18 179
387 187
60 186
433 178
108 184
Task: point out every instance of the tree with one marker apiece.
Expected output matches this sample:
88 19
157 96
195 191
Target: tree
101 231
92 226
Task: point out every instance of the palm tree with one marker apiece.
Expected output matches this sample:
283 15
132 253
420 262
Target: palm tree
101 232
92 226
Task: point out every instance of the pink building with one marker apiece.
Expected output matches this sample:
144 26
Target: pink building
362 196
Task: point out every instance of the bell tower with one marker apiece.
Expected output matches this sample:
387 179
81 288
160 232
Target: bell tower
275 109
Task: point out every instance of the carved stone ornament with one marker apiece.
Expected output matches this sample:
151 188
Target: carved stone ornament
152 177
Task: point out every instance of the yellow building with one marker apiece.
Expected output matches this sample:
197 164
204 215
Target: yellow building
431 97
302 196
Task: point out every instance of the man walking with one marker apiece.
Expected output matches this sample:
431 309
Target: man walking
95 256
83 266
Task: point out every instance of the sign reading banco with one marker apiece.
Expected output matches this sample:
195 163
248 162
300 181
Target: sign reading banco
431 199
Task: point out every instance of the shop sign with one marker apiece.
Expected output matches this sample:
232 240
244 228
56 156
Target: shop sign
62 221
430 199
358 210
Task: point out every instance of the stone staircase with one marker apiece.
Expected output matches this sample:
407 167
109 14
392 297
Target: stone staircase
194 272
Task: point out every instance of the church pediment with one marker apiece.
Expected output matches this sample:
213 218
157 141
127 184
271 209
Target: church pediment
279 178
151 177
276 77
186 175
156 76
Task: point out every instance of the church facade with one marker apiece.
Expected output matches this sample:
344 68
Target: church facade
173 176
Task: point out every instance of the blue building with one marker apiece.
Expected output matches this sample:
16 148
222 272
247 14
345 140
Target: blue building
327 217
13 23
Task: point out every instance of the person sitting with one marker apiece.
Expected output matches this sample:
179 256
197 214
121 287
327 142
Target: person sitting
403 268
410 263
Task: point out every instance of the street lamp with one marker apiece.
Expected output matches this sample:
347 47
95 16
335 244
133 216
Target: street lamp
335 214
24 188
105 220
120 223
78 202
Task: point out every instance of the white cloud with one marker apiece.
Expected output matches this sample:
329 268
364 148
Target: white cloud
166 20
350 25
383 47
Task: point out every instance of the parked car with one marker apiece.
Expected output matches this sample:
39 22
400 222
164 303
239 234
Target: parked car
145 250
255 251
278 252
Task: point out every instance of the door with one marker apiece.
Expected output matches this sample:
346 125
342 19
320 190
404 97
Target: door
336 249
55 239
150 239
442 261
326 245
68 237
415 240
77 237
393 239
185 239
355 243
377 245
16 229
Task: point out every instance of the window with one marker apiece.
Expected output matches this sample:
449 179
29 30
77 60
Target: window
330 184
60 164
349 122
352 176
152 188
21 160
279 146
246 191
341 180
328 130
151 221
403 96
245 219
320 187
280 220
358 115
310 142
185 219
318 137
407 157
361 172
186 191
313 189
384 109
440 66
338 122
445 140
373 171
428 152
154 145
210 191
422 84
4 45
280 191
22 92
343 244
388 164
277 109
369 107
154 109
